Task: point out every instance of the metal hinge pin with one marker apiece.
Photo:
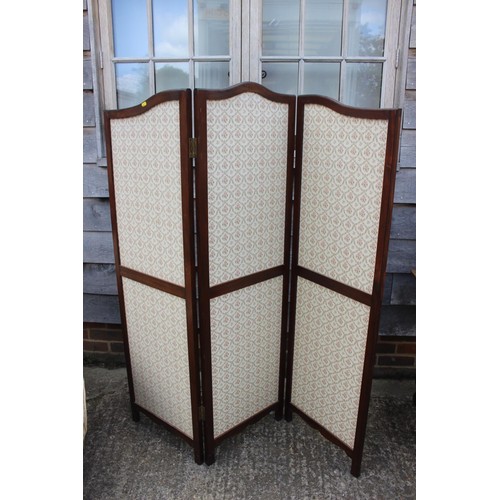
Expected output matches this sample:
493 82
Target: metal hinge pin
193 147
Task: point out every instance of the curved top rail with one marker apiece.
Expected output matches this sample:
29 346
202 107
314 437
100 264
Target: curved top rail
240 88
257 88
150 102
344 109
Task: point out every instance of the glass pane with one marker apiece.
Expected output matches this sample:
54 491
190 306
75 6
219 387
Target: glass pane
211 27
322 79
132 83
211 75
323 27
366 30
170 28
280 77
363 84
280 27
130 28
171 76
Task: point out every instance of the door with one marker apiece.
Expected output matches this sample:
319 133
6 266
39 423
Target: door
344 49
154 45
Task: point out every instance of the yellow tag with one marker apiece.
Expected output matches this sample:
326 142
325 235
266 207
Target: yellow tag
144 103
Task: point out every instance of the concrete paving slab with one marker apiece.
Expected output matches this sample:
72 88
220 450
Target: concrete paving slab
124 459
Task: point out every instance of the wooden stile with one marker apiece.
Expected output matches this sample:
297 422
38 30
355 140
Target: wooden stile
226 299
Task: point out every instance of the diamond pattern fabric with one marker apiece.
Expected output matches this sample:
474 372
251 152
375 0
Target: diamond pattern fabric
157 335
245 336
246 162
342 177
343 164
330 340
147 177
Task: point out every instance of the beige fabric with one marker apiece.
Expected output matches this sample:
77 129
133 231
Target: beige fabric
342 178
147 178
245 337
342 181
246 161
246 168
330 340
157 336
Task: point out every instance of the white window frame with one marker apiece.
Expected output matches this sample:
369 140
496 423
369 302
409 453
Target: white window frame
245 39
252 55
108 60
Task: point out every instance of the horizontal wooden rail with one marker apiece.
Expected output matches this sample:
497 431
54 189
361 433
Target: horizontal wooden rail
251 279
153 282
336 286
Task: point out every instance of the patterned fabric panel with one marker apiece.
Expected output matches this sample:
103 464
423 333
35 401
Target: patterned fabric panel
247 160
342 178
156 326
330 340
147 175
245 335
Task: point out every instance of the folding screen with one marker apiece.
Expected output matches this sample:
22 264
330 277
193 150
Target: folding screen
344 186
151 196
215 343
244 187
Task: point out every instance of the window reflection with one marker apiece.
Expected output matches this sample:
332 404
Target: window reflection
280 77
211 75
171 76
322 79
323 28
211 27
331 48
132 83
366 33
280 27
130 28
170 28
363 84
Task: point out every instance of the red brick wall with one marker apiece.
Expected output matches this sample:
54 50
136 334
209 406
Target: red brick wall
395 355
103 343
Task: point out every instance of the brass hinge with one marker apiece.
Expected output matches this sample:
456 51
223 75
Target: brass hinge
193 147
201 413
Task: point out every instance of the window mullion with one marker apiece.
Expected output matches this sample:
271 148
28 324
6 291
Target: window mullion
255 40
191 42
245 51
235 41
302 16
343 51
151 66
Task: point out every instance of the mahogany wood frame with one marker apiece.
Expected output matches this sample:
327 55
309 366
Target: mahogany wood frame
207 292
188 292
374 300
199 343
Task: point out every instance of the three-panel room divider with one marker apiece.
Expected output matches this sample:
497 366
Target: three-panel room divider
251 232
